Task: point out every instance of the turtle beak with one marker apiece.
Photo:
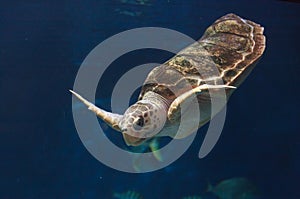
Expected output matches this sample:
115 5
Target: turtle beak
132 141
123 130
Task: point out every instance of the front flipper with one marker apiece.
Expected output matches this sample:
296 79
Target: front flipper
154 146
187 97
111 119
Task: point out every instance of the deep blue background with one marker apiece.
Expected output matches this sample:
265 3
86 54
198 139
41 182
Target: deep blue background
43 43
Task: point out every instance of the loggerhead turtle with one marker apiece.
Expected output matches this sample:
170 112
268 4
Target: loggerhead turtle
231 44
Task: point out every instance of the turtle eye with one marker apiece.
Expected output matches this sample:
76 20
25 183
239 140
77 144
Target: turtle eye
139 123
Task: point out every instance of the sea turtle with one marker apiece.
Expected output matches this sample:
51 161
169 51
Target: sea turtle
235 188
231 45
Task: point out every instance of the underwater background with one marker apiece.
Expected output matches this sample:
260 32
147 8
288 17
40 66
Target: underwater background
42 45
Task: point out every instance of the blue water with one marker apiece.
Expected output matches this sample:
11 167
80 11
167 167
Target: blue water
42 45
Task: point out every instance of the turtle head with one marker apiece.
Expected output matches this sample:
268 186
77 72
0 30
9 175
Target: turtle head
141 121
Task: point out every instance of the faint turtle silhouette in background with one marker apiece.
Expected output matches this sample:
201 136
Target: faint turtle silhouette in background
235 188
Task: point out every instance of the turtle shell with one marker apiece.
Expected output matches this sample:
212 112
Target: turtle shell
226 54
